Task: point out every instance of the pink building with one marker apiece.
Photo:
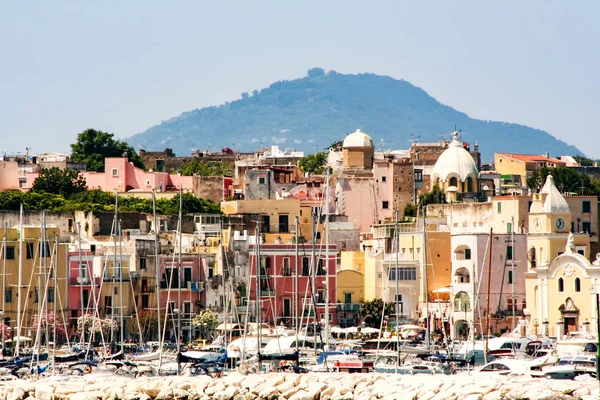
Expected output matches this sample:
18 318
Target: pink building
15 176
122 176
282 270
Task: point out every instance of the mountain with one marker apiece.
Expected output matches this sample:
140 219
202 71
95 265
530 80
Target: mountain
312 112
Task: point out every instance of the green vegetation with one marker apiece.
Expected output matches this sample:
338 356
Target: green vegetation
93 146
54 180
435 196
583 161
567 180
372 311
97 200
322 107
313 163
203 168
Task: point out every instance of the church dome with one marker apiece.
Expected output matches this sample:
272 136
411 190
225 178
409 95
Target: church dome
358 139
455 162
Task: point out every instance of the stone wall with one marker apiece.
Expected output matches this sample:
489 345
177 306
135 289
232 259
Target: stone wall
208 187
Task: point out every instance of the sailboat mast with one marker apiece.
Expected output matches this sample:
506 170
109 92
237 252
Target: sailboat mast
121 285
157 267
81 339
179 270
296 296
427 326
4 284
112 289
54 266
487 313
397 311
20 281
326 311
258 294
512 268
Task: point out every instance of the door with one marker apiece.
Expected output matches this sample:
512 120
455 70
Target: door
265 224
86 298
284 224
287 307
187 276
570 324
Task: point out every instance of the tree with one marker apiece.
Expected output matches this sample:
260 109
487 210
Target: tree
65 182
435 196
91 324
93 146
583 161
203 168
337 145
207 320
372 311
313 163
567 180
149 324
47 327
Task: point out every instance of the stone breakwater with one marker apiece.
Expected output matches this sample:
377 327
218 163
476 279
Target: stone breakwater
279 386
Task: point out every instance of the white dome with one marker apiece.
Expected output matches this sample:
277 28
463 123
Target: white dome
358 139
455 162
554 202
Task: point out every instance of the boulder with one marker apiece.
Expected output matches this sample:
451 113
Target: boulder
93 395
15 394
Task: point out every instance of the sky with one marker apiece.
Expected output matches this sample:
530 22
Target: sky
124 66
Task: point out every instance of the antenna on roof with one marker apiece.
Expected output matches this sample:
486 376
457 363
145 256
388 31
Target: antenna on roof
381 144
443 135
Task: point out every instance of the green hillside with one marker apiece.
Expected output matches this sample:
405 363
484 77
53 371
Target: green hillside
314 111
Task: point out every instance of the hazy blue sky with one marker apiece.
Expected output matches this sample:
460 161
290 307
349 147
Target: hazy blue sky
123 66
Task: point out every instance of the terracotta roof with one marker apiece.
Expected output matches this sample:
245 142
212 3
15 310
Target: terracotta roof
532 157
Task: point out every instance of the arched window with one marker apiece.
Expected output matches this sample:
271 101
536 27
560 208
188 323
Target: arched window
453 182
462 302
561 285
469 185
462 275
535 296
577 285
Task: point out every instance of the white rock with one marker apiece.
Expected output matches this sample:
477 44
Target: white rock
93 395
301 395
15 394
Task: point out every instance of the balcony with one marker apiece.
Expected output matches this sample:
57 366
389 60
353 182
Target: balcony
148 289
267 293
82 281
348 307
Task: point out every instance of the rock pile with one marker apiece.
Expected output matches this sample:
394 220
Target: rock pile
316 386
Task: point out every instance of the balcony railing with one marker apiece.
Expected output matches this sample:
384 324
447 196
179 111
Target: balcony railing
348 307
267 293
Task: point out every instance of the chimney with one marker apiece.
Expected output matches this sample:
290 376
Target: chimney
547 155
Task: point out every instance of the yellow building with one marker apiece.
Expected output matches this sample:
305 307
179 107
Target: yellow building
560 278
524 165
350 287
43 276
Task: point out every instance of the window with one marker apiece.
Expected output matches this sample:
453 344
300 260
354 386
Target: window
261 180
29 251
211 272
586 227
561 285
10 253
510 277
402 274
384 179
305 266
115 172
347 298
467 254
8 295
509 252
284 224
50 295
499 207
586 206
511 304
286 270
321 267
454 182
385 205
577 285
83 273
142 262
508 227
